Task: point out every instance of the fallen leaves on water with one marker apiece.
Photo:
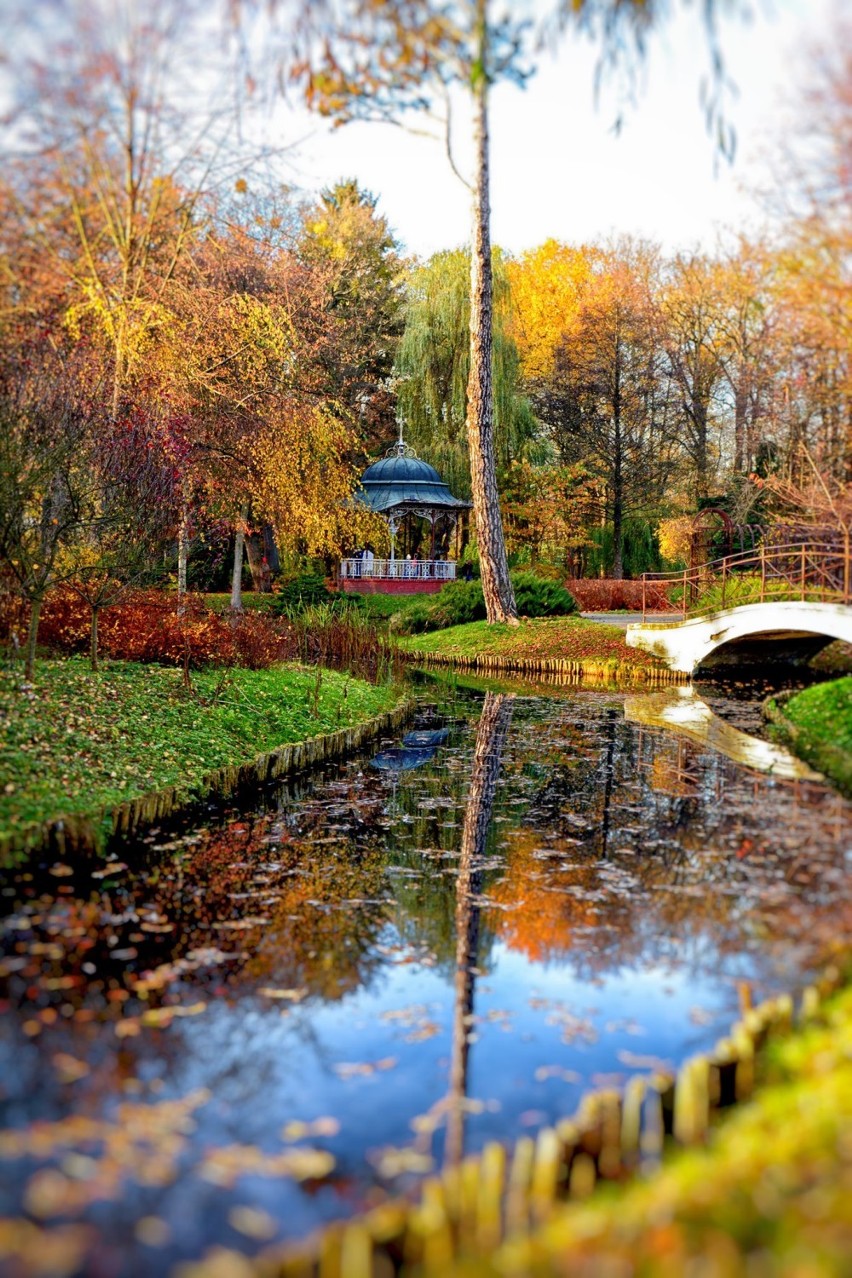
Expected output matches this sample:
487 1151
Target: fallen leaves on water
220 1262
362 1069
290 995
223 1166
253 1223
43 1253
392 1161
299 1130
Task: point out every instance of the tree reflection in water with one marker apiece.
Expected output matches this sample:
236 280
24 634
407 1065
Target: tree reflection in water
490 739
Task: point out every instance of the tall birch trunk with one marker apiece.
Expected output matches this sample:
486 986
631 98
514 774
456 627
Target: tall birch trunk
497 588
237 575
183 552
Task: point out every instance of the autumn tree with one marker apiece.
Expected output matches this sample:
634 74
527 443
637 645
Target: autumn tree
44 481
748 347
127 515
691 306
115 157
357 273
604 402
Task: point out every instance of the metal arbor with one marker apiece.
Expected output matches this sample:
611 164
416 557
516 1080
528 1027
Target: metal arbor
407 492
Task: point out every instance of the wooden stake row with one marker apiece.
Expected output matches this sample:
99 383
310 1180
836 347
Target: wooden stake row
493 1205
557 669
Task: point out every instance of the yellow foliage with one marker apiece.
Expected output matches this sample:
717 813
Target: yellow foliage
547 285
675 538
306 481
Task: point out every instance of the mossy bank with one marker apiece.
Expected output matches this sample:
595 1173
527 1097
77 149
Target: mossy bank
816 724
96 752
569 646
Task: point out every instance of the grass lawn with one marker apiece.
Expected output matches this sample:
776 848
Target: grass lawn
817 724
534 639
374 607
252 601
77 743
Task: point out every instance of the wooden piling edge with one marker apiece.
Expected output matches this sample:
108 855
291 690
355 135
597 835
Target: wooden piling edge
67 834
497 1201
557 668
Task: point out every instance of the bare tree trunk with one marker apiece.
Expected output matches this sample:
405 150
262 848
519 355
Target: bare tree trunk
183 552
93 643
497 588
255 555
237 575
490 739
32 636
617 475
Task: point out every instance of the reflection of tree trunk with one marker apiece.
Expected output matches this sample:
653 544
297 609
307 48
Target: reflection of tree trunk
490 738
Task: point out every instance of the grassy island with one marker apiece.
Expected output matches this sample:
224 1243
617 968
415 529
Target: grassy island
816 724
78 743
538 643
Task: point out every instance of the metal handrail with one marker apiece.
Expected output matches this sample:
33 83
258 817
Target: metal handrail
805 570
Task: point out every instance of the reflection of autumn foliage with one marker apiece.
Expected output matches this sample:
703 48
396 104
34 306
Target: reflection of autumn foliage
312 905
324 924
539 915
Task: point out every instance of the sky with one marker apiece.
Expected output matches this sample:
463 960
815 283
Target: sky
559 169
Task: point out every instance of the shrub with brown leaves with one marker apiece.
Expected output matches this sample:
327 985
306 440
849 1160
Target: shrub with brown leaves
601 594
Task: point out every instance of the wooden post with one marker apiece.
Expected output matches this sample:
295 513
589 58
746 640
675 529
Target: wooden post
643 596
762 573
803 571
724 578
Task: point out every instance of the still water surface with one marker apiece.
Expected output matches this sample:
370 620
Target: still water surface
235 1033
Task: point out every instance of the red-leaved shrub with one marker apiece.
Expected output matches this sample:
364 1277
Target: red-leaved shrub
146 626
601 594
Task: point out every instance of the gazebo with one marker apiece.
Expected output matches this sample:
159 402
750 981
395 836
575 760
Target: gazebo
407 493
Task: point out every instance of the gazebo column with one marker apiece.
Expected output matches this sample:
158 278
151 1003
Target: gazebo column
393 525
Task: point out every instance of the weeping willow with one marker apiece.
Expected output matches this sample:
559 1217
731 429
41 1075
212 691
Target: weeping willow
432 365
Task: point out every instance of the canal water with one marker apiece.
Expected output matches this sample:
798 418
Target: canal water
229 1034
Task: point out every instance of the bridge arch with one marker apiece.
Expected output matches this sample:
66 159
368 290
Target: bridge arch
784 624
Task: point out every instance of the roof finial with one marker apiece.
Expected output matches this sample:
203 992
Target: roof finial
400 448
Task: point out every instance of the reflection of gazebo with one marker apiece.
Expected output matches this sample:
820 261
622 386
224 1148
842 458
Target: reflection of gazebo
407 493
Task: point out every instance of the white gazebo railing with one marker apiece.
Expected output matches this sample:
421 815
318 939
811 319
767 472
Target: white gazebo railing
398 569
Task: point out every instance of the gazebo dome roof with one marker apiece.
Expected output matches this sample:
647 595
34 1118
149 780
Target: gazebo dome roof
402 481
401 470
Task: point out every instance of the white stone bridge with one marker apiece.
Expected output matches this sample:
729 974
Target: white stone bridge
777 604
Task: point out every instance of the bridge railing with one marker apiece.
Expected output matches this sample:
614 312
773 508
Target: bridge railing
811 571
